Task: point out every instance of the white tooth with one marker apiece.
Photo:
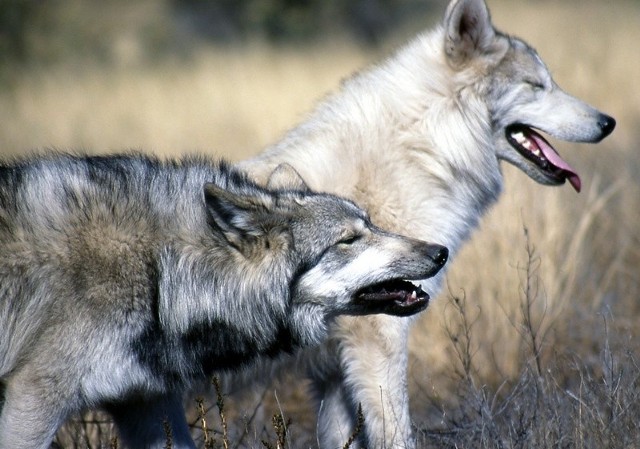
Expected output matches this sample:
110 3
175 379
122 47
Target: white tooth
526 144
518 136
413 295
536 152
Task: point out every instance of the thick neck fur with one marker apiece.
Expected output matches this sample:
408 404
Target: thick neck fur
213 322
409 140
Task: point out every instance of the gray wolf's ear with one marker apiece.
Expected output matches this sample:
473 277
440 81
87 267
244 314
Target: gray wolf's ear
235 215
468 31
285 177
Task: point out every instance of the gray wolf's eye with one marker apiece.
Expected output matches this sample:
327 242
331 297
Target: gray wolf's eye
349 239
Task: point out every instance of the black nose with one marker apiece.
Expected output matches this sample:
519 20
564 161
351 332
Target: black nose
439 255
607 125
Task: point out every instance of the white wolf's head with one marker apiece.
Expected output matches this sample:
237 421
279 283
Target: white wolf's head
520 94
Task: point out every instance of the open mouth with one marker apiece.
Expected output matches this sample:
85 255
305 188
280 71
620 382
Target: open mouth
394 297
532 146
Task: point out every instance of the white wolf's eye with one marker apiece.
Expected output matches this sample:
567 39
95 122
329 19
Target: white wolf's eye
535 85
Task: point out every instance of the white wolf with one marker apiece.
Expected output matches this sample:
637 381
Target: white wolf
422 135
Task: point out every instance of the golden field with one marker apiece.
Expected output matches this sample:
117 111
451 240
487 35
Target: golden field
536 340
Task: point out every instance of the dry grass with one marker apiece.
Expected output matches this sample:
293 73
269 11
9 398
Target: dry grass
536 342
228 102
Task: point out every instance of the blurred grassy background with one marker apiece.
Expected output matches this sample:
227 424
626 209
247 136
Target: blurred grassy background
531 323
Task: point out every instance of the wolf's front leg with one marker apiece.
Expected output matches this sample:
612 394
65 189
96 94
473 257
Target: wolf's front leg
151 423
336 414
373 365
31 413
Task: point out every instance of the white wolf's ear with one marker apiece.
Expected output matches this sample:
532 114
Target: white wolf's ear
285 177
234 215
468 31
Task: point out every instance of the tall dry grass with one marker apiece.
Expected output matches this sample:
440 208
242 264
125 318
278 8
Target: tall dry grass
534 343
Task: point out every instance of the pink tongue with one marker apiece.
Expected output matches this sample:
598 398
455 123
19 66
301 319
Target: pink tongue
554 159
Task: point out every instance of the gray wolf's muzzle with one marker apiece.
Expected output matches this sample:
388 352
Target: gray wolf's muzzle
439 255
397 296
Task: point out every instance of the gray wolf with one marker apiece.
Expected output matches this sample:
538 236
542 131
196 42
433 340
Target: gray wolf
418 141
124 279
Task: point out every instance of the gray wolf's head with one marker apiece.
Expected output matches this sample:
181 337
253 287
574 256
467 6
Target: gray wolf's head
521 97
337 261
